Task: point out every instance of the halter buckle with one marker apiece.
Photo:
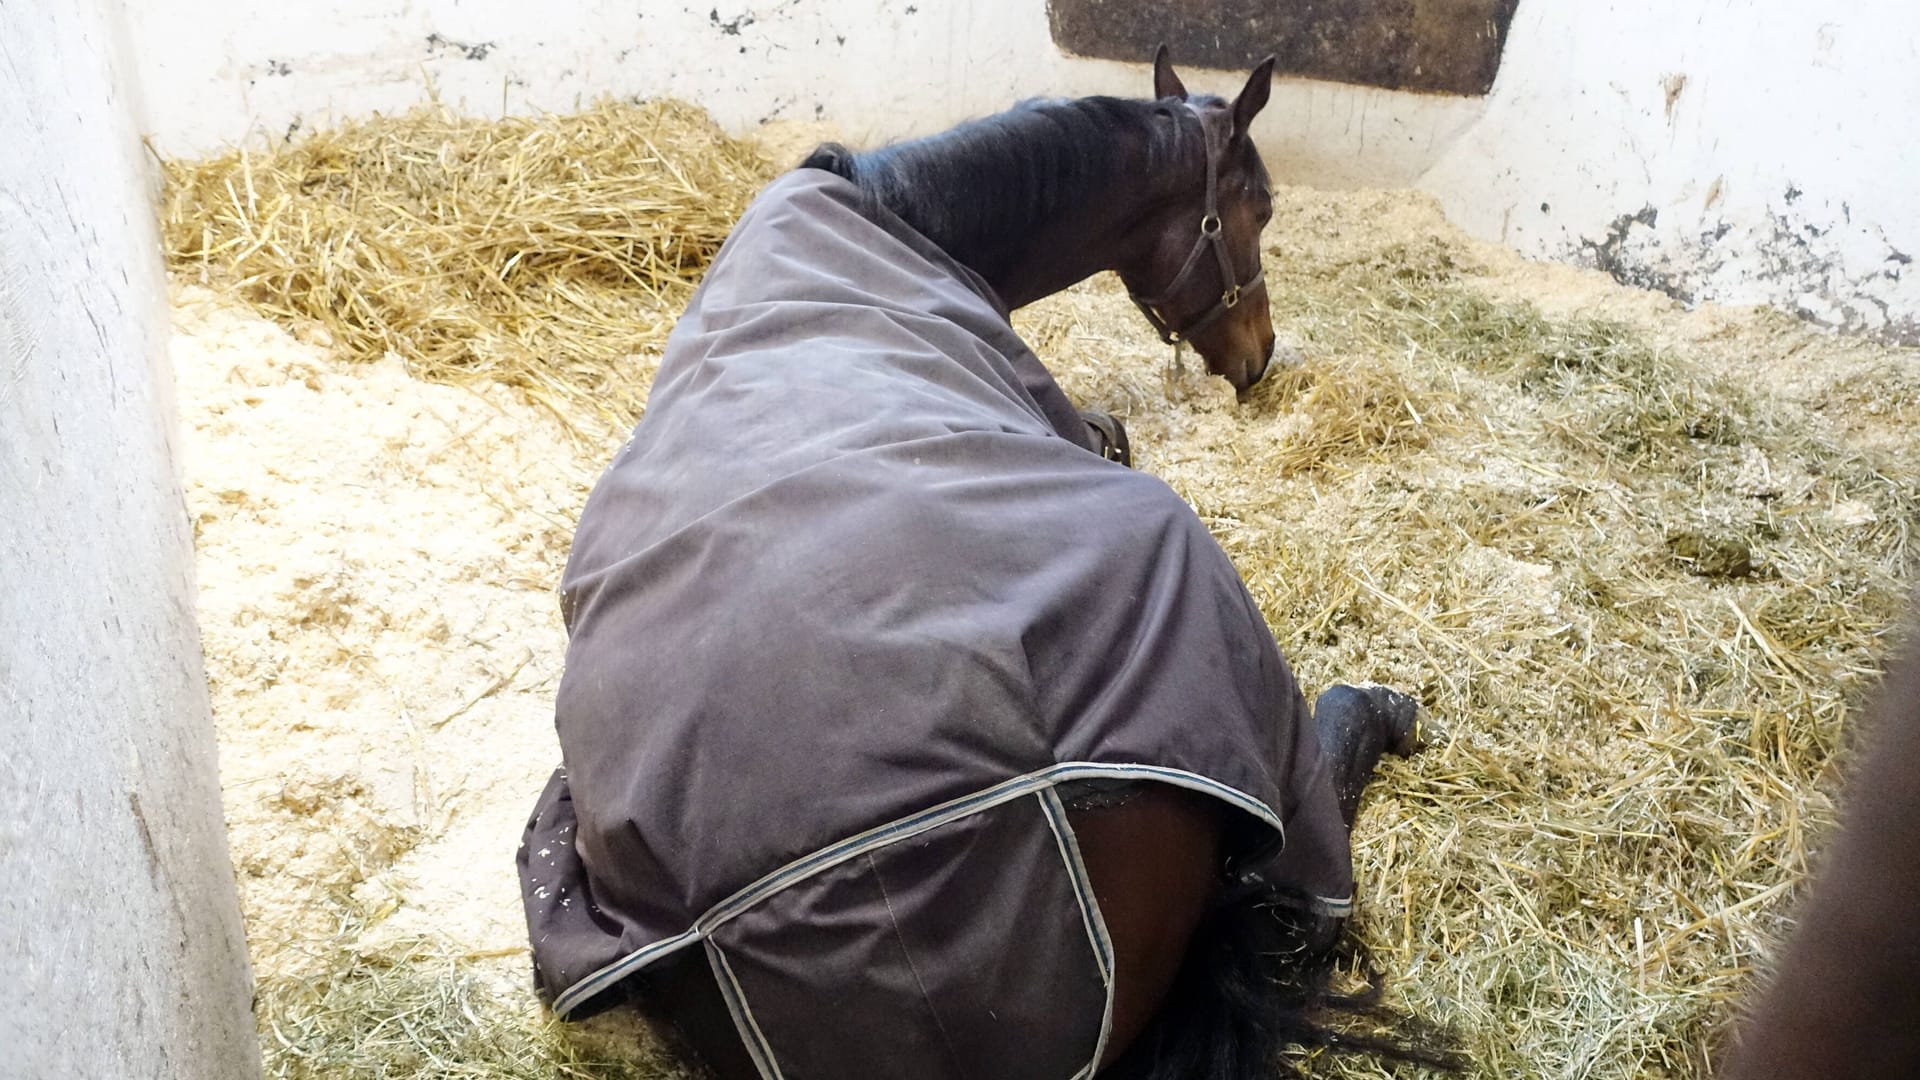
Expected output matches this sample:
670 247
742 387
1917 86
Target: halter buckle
1231 297
1210 225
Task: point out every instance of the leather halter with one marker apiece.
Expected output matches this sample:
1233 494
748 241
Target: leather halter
1211 231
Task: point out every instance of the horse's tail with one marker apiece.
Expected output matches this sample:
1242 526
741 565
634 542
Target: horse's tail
832 157
1252 986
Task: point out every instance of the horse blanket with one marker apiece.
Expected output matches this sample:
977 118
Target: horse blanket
846 616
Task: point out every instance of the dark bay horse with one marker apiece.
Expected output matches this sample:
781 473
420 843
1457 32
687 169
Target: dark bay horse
907 732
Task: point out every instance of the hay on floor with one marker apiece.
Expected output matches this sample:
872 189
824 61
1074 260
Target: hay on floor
1641 591
1642 597
540 253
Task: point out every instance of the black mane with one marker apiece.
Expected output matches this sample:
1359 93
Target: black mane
977 186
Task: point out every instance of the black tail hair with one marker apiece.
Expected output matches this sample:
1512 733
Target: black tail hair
1252 986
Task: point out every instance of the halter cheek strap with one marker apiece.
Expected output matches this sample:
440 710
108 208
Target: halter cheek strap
1211 231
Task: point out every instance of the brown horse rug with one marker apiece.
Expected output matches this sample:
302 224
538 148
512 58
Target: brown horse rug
852 617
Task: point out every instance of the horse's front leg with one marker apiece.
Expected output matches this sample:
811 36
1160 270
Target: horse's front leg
1197 987
1356 726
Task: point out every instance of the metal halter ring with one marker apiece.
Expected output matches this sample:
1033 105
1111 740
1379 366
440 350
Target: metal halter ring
1212 235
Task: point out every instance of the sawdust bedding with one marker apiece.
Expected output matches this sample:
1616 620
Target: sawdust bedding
1578 880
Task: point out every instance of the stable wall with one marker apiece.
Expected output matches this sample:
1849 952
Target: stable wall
218 73
119 924
1750 151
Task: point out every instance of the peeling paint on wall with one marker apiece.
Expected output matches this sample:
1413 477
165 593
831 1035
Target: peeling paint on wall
1805 265
1758 153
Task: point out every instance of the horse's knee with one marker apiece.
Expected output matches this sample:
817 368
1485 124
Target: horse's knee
1392 717
1355 725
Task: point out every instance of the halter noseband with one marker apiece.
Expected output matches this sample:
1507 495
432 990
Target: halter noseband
1211 231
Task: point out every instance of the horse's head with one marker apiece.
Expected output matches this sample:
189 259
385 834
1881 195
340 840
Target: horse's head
1198 279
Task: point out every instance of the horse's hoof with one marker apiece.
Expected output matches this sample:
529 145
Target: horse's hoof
1403 721
1400 717
1112 436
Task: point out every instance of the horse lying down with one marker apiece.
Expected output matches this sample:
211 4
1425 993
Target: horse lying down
907 732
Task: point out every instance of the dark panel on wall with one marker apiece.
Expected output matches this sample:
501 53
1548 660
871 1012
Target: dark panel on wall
1437 46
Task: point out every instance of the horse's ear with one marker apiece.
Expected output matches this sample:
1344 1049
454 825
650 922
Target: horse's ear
1253 97
1165 83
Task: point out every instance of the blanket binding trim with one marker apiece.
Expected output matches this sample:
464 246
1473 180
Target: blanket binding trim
756 1040
906 828
1096 924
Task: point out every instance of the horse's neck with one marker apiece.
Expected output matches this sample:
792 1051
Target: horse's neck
1090 234
1102 230
1065 253
1083 229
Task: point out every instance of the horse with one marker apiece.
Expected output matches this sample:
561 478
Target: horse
1843 1000
906 729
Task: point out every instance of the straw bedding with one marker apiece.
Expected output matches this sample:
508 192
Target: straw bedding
532 252
1639 562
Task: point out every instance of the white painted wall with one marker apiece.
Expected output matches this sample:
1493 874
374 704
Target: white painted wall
216 73
1779 96
1784 170
119 926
